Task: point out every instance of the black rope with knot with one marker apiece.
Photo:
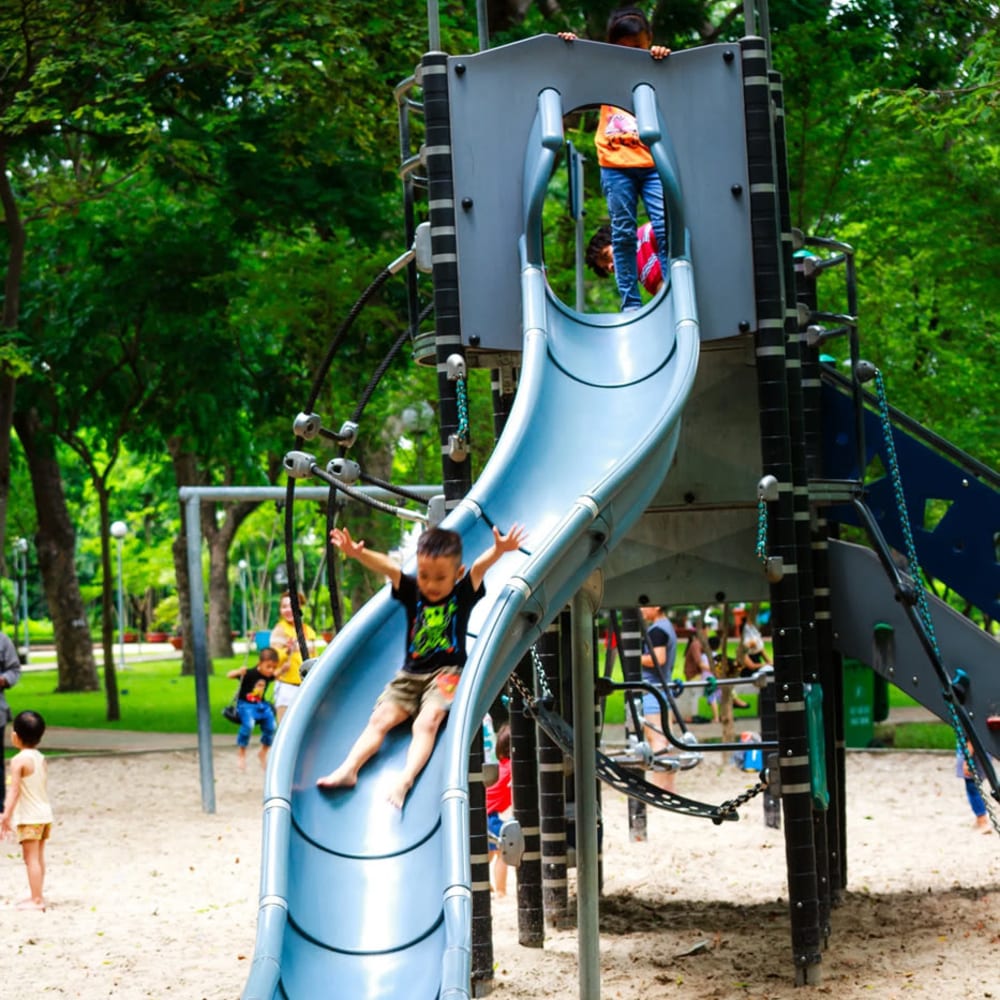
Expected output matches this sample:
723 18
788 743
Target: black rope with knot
338 338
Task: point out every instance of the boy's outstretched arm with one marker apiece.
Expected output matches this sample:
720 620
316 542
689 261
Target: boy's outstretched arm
377 562
501 544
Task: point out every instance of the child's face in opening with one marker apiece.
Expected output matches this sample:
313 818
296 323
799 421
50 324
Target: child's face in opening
640 41
606 259
437 576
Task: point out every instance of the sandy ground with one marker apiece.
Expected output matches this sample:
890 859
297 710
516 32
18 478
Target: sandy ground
152 897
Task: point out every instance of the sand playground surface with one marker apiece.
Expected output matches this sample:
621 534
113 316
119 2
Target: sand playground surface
149 896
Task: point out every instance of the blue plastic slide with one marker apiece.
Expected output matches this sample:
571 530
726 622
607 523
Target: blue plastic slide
360 900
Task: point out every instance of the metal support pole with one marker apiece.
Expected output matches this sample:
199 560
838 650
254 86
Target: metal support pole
121 610
585 778
192 524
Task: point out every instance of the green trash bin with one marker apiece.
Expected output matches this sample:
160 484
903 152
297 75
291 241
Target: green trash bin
859 698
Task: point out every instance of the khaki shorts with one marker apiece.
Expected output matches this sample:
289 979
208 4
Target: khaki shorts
33 831
412 691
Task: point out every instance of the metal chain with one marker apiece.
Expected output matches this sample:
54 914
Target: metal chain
543 683
920 586
462 397
731 805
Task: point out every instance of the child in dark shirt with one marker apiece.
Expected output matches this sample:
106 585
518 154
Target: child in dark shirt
438 601
254 707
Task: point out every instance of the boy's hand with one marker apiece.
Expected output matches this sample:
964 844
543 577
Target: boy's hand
341 538
509 542
567 36
659 51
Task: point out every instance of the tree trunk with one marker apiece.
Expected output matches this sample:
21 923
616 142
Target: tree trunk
16 239
185 474
220 539
55 544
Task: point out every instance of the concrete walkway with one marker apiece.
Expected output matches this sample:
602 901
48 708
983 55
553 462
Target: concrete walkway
103 741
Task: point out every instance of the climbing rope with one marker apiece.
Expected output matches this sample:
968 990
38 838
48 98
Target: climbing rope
920 586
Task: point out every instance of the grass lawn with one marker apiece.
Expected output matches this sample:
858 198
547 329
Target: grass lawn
153 697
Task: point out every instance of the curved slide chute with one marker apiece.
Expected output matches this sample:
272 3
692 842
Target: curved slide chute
364 901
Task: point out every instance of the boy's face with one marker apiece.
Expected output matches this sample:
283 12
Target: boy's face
266 667
606 259
437 576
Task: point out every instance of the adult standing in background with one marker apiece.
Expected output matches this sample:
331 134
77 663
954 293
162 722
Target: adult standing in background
657 660
10 674
285 642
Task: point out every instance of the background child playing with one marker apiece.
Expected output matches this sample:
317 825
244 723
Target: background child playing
253 706
498 802
28 809
627 168
972 793
438 601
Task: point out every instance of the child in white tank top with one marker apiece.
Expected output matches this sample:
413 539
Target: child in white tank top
28 810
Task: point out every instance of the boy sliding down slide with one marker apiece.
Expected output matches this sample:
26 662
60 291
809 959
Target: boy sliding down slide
438 601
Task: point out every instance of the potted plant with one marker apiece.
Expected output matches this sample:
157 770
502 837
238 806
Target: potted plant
163 624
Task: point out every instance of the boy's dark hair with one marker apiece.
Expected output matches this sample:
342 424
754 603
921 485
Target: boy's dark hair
436 542
598 242
30 727
503 742
268 653
627 22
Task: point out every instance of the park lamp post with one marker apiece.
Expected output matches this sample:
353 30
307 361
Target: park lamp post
21 557
119 529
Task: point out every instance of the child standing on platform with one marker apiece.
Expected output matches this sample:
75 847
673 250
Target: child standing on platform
627 167
28 811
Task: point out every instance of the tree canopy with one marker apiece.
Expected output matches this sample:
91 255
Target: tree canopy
195 193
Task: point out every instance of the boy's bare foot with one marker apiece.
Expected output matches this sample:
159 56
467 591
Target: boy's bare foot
31 904
241 760
982 824
342 777
399 790
262 756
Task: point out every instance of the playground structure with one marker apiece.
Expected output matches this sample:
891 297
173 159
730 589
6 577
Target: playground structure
690 452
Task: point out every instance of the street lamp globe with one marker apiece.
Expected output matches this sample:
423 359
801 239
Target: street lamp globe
119 529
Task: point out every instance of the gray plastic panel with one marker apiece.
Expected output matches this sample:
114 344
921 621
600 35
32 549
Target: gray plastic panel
493 100
862 596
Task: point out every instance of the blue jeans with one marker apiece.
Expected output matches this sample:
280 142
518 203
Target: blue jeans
622 188
260 712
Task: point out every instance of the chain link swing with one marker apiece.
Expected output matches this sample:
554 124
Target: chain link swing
624 779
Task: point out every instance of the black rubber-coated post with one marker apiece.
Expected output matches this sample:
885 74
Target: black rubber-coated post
479 857
776 454
524 786
800 475
828 659
456 475
552 798
630 649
